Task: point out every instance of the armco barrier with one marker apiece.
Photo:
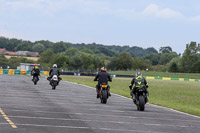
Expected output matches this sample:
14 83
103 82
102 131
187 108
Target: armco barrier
1 71
17 72
28 72
45 73
11 72
167 78
5 71
22 72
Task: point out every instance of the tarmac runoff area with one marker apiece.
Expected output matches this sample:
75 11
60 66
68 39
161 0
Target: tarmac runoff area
29 108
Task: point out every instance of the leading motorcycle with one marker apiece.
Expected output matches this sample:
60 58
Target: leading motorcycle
35 77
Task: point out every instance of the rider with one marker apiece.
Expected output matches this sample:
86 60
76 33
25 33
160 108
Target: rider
138 81
102 77
35 72
54 71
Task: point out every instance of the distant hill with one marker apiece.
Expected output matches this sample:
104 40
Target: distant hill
59 47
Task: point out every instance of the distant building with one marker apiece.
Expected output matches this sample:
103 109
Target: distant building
22 53
10 53
2 51
26 66
26 53
35 54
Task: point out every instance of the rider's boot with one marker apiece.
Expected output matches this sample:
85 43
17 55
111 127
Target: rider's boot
98 95
109 93
133 97
147 96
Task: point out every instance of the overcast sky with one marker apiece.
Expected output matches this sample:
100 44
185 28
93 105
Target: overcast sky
144 23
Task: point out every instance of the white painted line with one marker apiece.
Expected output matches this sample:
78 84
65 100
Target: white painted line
175 111
88 128
93 109
129 117
169 109
42 106
4 124
87 120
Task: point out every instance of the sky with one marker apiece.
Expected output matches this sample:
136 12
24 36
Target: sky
143 23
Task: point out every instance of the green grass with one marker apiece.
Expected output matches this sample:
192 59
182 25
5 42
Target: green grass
160 74
179 95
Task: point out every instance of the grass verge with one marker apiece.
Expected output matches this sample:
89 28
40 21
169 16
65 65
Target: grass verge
179 95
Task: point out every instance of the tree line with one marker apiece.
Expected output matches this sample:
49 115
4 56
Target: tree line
58 47
90 57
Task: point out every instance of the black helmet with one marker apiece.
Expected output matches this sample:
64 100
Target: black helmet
138 74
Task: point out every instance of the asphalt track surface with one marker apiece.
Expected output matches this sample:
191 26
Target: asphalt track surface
73 108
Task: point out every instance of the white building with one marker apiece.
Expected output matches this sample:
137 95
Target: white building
26 66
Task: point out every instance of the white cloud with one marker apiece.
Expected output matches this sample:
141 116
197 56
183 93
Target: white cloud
156 11
195 19
89 7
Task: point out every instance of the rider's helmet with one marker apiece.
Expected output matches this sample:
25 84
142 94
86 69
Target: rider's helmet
35 66
138 74
103 69
54 65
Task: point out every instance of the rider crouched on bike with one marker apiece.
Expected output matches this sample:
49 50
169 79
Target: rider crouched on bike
54 71
35 72
102 77
138 81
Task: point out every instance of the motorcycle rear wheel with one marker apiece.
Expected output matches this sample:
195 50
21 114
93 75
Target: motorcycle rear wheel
141 103
104 97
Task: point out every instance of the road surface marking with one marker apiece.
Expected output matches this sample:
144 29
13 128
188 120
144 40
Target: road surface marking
95 109
7 119
129 117
88 120
88 128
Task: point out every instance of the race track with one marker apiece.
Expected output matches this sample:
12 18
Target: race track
73 108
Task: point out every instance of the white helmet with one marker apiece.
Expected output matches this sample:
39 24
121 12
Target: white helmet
54 65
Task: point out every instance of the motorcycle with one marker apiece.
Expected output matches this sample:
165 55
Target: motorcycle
35 78
54 82
103 92
140 98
